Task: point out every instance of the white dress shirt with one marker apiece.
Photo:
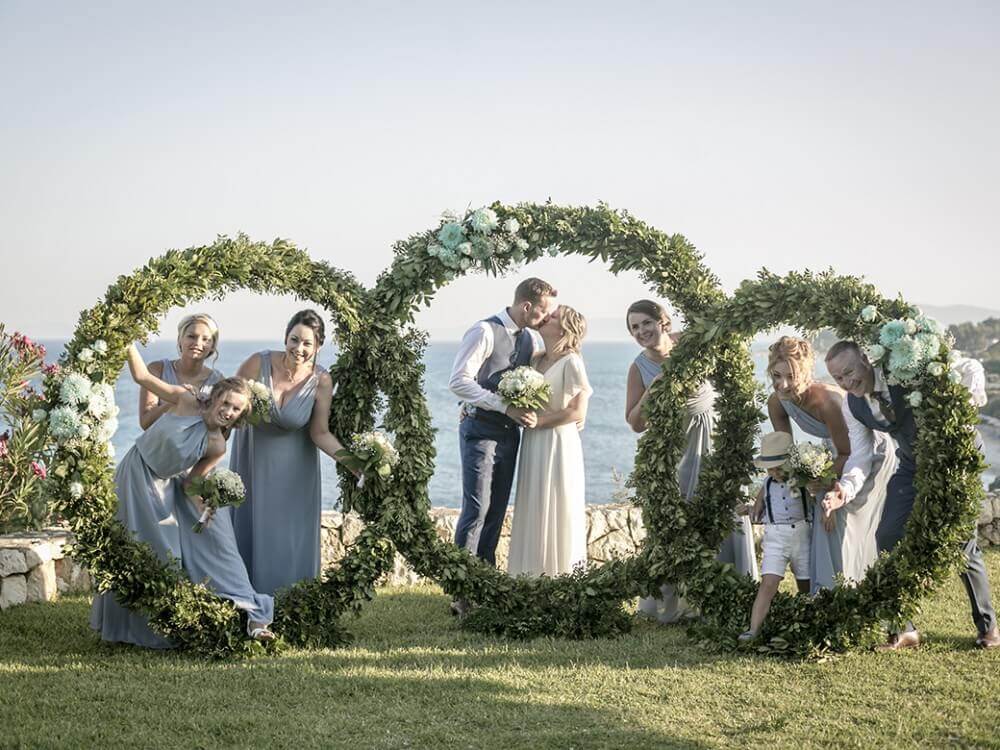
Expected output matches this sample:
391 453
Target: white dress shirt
859 463
475 349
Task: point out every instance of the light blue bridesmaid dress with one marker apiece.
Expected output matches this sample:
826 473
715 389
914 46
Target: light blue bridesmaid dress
152 505
170 376
278 526
850 547
738 547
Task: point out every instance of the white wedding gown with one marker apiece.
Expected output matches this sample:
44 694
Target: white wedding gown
549 531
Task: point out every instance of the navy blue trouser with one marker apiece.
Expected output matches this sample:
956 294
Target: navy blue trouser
489 454
899 498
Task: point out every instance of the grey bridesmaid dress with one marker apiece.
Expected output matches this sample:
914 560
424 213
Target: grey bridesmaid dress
850 548
738 547
170 376
278 526
151 504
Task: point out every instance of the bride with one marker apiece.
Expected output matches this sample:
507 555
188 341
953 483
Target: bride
549 531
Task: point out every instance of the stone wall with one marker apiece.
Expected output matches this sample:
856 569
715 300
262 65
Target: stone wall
33 566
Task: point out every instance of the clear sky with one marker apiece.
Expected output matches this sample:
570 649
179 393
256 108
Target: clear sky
857 135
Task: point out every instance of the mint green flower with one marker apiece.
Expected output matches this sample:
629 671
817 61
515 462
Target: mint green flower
869 313
892 332
451 235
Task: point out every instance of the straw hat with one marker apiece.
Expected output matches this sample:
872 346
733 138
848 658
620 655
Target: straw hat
773 450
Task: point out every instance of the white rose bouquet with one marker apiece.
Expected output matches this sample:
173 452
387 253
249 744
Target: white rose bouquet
809 462
260 405
369 451
220 488
524 388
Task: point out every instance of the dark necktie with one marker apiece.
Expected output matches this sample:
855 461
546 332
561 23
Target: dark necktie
885 406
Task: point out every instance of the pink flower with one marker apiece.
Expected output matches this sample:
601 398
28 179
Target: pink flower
39 469
3 444
52 369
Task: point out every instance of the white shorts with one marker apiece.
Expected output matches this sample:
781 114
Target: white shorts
786 544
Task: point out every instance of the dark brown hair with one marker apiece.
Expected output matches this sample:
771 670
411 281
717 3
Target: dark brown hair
310 319
653 309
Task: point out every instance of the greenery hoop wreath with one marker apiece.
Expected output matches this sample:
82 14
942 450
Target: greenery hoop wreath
380 371
495 240
914 352
80 413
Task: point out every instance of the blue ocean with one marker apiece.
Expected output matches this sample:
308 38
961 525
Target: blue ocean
608 443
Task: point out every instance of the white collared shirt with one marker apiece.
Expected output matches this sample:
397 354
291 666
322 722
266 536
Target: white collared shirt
786 504
859 463
475 349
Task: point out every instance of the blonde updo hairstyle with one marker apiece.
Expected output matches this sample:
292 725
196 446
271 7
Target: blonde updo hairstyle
574 328
798 354
189 320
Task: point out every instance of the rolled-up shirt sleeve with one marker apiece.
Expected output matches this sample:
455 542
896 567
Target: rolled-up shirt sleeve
859 463
475 349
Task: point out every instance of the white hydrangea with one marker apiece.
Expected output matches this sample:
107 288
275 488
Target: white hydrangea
915 399
100 347
511 226
85 355
935 368
874 352
75 389
521 244
483 220
464 248
76 490
107 430
869 313
259 390
65 423
229 482
39 415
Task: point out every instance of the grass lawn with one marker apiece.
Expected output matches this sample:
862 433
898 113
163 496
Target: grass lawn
413 679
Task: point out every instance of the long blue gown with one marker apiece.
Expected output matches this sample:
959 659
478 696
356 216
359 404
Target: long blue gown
278 526
152 505
850 548
738 547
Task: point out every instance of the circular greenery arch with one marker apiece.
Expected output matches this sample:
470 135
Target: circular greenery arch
496 240
81 469
947 480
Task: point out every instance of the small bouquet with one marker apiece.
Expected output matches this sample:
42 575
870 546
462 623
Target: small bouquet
369 450
260 405
220 488
809 462
524 388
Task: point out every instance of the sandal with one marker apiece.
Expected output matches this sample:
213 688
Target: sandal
260 633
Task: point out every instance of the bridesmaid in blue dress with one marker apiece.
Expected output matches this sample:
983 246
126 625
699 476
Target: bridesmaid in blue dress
278 526
650 325
844 542
197 341
185 440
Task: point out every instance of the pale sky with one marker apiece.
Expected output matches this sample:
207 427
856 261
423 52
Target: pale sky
857 135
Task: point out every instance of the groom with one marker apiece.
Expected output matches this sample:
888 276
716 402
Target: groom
489 432
872 404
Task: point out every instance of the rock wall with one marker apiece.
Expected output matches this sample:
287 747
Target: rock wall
33 566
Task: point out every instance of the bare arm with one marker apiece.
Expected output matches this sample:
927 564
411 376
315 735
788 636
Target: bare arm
216 450
175 394
251 368
831 412
777 414
150 407
635 397
319 423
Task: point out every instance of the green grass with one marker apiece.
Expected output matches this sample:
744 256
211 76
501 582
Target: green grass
413 679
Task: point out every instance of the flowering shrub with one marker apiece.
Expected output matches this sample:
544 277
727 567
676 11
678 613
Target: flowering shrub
23 443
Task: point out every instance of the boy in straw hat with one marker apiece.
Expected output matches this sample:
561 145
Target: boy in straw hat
785 513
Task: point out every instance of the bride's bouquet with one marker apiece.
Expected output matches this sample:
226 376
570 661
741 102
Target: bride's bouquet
369 451
260 405
524 388
809 462
220 488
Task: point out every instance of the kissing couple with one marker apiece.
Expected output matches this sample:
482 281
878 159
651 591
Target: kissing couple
548 533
